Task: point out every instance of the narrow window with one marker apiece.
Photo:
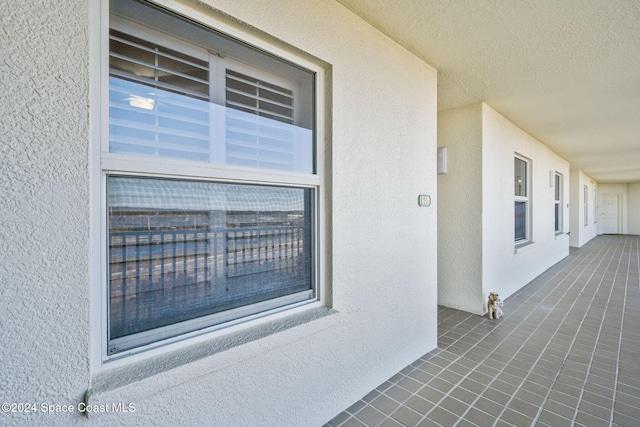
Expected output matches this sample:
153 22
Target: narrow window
558 202
585 197
521 184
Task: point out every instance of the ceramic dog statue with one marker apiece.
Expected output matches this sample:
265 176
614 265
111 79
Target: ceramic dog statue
494 310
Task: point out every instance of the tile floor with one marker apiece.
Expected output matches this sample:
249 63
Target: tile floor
566 353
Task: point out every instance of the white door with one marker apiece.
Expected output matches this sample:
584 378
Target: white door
611 214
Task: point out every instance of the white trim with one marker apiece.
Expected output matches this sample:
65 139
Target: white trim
184 341
98 12
103 163
122 163
180 331
222 27
526 199
558 186
585 204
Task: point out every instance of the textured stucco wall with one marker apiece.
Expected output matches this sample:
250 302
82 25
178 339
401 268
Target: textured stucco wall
633 192
581 233
506 270
44 205
460 210
475 215
383 146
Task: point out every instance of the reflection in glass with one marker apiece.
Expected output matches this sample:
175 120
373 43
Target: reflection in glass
186 128
520 177
520 221
179 250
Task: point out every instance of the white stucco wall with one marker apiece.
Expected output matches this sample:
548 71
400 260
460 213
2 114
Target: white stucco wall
459 210
506 270
44 206
581 233
633 192
622 191
476 253
382 147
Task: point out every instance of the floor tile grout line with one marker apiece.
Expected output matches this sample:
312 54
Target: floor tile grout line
586 283
561 269
504 339
575 335
523 302
582 259
624 307
533 332
444 320
593 354
580 262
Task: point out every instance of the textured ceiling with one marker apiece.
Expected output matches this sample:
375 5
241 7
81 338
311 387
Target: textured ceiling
566 72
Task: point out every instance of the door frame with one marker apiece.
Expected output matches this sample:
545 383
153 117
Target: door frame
618 198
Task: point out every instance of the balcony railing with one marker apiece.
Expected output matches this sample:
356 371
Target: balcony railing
161 277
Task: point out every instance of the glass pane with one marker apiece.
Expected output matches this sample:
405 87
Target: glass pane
179 250
165 103
521 221
520 176
557 179
557 216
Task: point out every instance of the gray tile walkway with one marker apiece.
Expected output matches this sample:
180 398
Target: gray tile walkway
566 353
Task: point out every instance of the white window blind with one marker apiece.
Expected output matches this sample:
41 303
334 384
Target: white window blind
176 100
158 100
260 131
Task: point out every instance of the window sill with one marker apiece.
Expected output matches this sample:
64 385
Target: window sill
523 247
117 384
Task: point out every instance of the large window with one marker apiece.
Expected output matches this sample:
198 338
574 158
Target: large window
558 202
211 179
521 191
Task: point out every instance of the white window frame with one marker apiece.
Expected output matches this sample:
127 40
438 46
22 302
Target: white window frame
558 199
595 206
585 201
526 199
105 163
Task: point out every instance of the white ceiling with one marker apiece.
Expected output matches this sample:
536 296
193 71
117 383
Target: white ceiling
566 72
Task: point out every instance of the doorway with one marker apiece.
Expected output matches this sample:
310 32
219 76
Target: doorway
611 213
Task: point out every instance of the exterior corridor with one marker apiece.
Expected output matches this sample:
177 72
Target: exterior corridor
565 353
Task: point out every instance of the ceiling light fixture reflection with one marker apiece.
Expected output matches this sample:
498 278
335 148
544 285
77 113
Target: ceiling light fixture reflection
141 102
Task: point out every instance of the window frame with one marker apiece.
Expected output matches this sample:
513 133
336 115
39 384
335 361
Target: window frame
106 163
595 206
558 201
525 199
585 201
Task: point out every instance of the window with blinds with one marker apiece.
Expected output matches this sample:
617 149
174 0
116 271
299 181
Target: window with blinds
175 99
159 100
260 131
199 232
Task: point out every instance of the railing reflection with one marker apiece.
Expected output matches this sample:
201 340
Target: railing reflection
159 277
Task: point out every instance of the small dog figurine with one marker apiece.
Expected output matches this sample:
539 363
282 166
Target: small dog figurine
494 310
